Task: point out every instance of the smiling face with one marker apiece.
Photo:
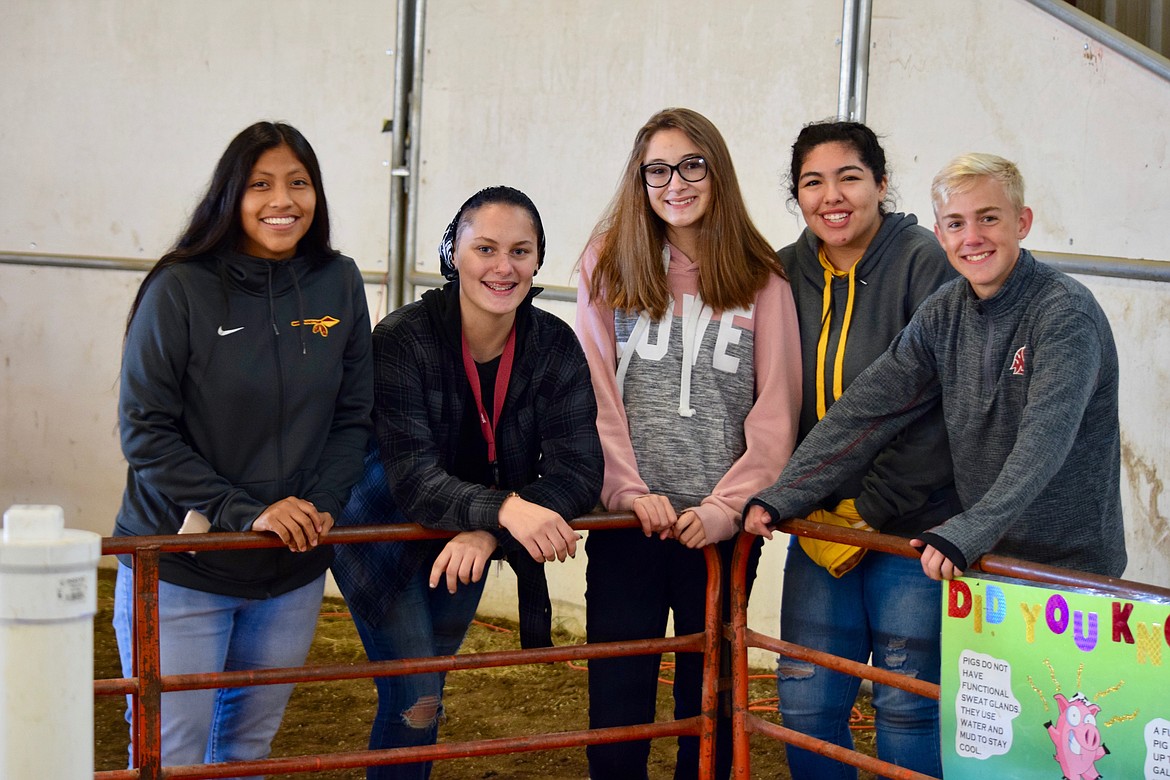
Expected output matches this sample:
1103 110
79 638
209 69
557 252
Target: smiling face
840 198
681 204
981 231
496 256
277 206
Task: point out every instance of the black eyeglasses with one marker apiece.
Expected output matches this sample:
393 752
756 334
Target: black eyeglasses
658 174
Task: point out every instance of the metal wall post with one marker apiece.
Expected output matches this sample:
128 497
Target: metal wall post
404 162
418 56
854 81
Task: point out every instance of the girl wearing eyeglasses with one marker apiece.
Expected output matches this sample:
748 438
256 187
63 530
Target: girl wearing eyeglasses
690 331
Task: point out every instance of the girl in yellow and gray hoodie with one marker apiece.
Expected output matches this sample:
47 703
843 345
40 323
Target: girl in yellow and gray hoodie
858 274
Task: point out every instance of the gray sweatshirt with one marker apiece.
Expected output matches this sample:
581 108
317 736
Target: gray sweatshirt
1028 381
908 487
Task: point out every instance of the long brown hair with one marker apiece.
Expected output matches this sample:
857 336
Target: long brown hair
734 259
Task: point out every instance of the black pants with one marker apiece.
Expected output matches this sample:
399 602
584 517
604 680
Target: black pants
632 583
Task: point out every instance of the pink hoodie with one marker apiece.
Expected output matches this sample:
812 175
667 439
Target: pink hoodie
708 435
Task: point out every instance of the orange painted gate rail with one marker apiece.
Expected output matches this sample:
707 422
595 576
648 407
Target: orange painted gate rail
745 723
147 685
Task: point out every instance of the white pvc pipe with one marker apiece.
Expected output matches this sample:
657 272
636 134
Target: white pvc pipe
48 597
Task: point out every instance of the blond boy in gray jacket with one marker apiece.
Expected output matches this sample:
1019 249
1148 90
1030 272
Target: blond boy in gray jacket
1023 361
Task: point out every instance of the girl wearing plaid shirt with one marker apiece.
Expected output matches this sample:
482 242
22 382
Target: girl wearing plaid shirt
485 421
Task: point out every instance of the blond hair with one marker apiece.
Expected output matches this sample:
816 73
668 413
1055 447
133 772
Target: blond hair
735 260
959 175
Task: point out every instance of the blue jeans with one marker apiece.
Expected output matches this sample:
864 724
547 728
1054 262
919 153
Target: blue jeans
422 622
204 632
885 607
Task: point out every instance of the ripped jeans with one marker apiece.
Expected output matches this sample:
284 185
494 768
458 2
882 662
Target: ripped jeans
885 606
422 622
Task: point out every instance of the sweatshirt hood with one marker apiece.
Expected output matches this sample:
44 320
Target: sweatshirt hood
441 305
892 226
820 275
267 278
261 277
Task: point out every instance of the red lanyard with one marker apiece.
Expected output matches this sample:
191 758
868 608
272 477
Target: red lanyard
503 375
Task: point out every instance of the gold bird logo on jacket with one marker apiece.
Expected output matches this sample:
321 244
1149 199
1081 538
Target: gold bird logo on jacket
320 325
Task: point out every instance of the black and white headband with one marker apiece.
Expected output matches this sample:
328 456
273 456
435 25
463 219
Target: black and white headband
497 194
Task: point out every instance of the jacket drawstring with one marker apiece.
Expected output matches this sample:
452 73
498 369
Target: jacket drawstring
692 334
694 325
271 302
832 273
300 309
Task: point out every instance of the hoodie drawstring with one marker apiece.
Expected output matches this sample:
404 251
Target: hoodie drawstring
695 321
692 335
832 273
300 309
271 302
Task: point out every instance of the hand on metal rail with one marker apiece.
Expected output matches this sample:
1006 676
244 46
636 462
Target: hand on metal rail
543 532
689 530
296 521
655 513
463 559
757 521
934 564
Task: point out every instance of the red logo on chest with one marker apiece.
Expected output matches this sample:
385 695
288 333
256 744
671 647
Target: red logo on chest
1018 361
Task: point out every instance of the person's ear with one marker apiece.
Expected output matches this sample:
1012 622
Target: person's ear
1025 223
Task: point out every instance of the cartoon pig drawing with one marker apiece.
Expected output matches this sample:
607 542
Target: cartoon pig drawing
1077 740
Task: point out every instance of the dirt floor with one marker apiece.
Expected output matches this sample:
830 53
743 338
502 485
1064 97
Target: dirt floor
335 716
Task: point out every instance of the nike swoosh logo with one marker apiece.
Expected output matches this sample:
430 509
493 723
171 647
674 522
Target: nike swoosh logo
223 332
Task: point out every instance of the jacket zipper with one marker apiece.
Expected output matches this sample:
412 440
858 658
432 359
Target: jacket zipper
988 369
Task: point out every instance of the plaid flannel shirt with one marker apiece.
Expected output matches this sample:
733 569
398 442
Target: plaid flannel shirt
548 448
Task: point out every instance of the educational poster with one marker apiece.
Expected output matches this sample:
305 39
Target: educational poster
1041 684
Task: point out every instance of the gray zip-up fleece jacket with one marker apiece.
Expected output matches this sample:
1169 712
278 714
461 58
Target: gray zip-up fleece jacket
1028 380
907 487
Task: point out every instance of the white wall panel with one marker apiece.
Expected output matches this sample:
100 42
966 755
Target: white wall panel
60 346
1140 316
547 97
1089 130
115 112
